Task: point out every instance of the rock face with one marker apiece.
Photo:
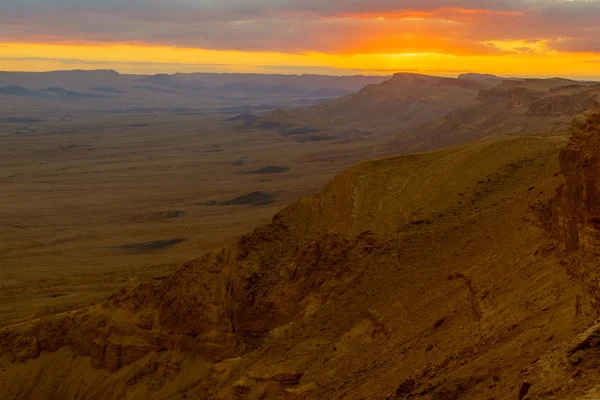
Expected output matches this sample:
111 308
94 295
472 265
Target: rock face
422 113
557 104
400 104
578 200
219 306
570 371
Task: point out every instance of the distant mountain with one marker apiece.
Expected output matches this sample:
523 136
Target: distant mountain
329 92
486 78
304 84
260 85
480 77
531 106
159 80
73 80
18 91
418 112
106 90
261 88
154 89
398 104
71 93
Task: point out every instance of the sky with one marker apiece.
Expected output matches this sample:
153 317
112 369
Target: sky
338 37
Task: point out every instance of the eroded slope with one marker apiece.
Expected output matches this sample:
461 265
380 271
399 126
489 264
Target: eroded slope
427 276
423 113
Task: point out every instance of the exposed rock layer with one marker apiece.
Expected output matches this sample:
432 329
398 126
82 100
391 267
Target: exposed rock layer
422 113
570 371
578 200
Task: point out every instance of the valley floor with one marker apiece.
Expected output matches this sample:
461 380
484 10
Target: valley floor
95 204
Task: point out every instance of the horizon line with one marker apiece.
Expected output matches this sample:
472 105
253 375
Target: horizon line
391 74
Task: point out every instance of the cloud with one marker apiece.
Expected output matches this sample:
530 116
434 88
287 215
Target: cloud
591 45
80 61
306 69
154 67
284 34
459 27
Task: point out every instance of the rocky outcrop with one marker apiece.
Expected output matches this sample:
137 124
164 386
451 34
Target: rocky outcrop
578 201
565 101
570 369
561 105
579 214
514 97
219 306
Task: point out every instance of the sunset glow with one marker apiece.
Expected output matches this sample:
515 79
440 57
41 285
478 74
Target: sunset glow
521 38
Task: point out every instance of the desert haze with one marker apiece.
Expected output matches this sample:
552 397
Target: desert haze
256 236
106 188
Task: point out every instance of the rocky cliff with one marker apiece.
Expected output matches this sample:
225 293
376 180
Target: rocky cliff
579 198
570 370
414 113
578 201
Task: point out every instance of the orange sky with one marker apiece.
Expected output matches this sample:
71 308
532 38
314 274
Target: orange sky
512 40
139 58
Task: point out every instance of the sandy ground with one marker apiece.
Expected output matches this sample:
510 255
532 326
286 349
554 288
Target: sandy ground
97 203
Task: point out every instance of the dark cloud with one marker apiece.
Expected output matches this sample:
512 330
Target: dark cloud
332 26
591 45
